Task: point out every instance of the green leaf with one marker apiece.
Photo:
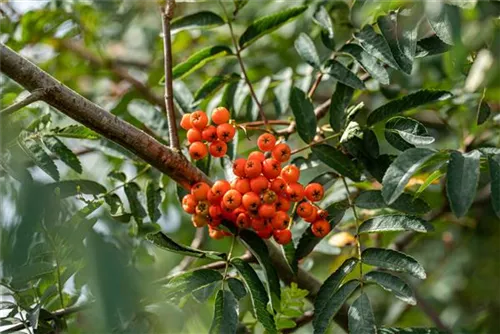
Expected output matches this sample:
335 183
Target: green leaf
329 288
461 180
114 202
202 295
393 260
209 87
238 5
117 175
307 51
199 20
237 287
337 160
258 294
361 319
340 100
153 199
407 102
34 150
394 223
375 45
162 241
409 330
74 187
188 282
400 32
123 218
431 46
401 170
225 318
393 284
182 96
132 191
63 152
227 99
322 18
284 323
494 165
290 255
483 112
368 62
260 92
431 178
268 24
442 25
373 199
282 93
322 320
150 116
259 249
404 133
199 59
303 111
76 131
341 73
28 272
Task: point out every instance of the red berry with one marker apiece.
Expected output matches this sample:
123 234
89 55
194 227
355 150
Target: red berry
281 152
253 168
314 192
239 167
320 228
220 115
259 184
282 204
215 211
251 201
267 210
257 156
193 135
220 187
186 122
266 142
271 168
232 199
225 132
266 232
304 209
199 119
243 221
282 237
189 203
290 174
314 215
278 185
218 148
209 133
280 220
198 150
242 185
200 190
295 192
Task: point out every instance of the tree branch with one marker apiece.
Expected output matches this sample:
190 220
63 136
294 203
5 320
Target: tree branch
87 113
167 13
36 95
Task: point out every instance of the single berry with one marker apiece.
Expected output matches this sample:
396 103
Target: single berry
266 142
258 223
281 152
198 150
199 119
295 192
282 204
259 184
278 185
218 148
186 122
202 208
243 221
189 203
232 199
220 115
282 237
215 211
220 187
322 214
239 167
304 209
267 210
280 220
269 197
215 233
271 168
290 174
193 135
266 232
212 198
320 228
209 133
251 201
200 190
314 192
253 168
313 217
225 132
199 220
242 185
257 156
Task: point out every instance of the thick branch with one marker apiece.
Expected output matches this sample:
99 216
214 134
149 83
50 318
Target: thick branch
87 113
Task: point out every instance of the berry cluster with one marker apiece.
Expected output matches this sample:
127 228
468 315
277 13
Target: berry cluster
198 132
260 197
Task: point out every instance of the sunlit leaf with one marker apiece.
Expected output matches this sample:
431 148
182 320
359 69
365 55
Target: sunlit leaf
199 59
361 319
404 133
393 223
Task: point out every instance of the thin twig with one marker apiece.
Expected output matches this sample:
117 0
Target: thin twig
429 311
320 111
35 96
167 13
315 85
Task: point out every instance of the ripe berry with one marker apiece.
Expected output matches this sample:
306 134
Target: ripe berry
218 148
253 168
242 185
202 208
314 215
198 150
189 203
232 199
186 122
215 211
225 132
199 119
239 167
199 220
220 187
278 185
212 198
290 174
266 232
199 191
282 237
280 220
267 210
259 184
282 204
266 142
220 115
215 233
258 223
243 221
214 222
257 156
193 135
269 197
251 201
322 214
314 192
281 152
295 192
320 228
209 133
304 209
271 168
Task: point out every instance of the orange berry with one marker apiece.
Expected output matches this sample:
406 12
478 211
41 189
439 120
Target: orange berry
232 199
278 185
189 203
304 209
290 174
282 204
295 192
202 208
266 142
320 228
186 122
257 156
199 220
212 198
323 214
239 167
215 211
218 148
198 150
193 135
209 133
314 192
198 119
280 220
251 201
314 215
267 210
242 185
282 237
271 168
220 115
243 221
258 223
266 232
225 132
215 234
200 190
259 184
269 197
281 152
220 187
214 222
253 168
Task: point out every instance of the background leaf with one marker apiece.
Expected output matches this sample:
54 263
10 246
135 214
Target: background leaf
393 223
306 50
494 164
375 45
337 160
393 260
368 62
199 20
404 133
361 319
373 199
303 111
393 284
343 74
198 59
33 148
340 100
162 241
63 152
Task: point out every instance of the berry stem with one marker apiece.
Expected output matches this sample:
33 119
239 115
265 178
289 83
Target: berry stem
229 255
315 143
